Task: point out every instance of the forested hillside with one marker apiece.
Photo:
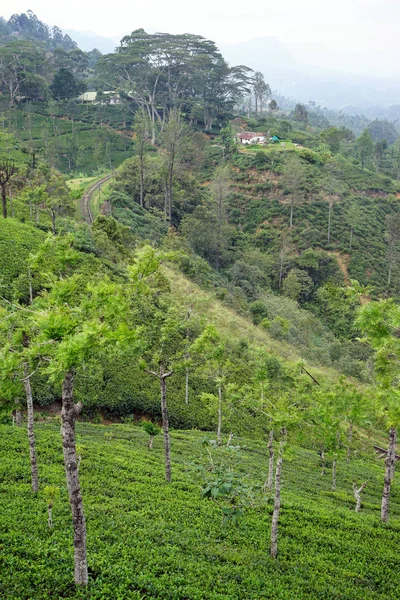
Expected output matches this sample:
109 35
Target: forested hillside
180 252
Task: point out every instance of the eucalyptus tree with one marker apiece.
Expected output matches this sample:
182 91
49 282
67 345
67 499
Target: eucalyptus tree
379 322
141 127
261 90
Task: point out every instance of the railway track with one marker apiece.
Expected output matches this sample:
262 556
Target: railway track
87 197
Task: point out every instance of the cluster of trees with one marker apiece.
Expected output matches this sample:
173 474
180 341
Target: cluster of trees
159 72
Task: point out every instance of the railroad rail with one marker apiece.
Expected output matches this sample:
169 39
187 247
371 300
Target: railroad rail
88 195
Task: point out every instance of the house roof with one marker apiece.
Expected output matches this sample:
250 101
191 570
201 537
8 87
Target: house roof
88 97
249 135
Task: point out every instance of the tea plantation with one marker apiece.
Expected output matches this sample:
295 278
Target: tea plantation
151 540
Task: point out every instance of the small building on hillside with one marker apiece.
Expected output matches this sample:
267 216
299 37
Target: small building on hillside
275 139
249 137
109 97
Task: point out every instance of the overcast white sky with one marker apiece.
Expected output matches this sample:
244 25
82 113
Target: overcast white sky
364 30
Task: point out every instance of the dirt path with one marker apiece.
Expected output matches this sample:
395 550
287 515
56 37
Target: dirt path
88 195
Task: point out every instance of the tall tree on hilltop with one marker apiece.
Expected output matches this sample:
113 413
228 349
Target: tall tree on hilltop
261 90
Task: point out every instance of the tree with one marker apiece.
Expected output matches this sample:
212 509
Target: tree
173 137
273 106
20 61
365 147
220 189
293 181
152 430
354 216
16 364
65 85
141 129
393 239
379 322
301 113
212 347
334 187
164 347
261 91
7 170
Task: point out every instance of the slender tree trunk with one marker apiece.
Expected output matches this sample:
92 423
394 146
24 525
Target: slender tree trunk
230 438
351 238
349 439
17 413
219 427
334 465
329 221
187 386
389 471
141 159
151 441
4 200
50 515
291 214
322 455
53 222
277 500
31 433
69 413
164 413
270 446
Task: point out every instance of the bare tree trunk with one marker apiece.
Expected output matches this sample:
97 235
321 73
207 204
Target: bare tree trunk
31 433
69 413
357 494
349 439
329 221
187 386
270 446
151 441
277 500
219 427
322 455
4 200
389 471
141 179
334 465
291 214
351 238
17 413
50 515
230 438
164 413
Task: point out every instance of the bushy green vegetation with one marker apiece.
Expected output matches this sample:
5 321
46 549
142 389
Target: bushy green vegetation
149 540
17 241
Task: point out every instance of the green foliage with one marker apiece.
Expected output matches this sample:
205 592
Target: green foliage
136 519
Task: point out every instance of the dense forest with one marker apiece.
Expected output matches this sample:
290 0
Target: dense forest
200 285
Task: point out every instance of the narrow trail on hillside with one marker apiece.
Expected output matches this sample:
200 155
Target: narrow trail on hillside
88 195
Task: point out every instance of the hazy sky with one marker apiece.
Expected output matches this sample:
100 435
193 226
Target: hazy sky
363 34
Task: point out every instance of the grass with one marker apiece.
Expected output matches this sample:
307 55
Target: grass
233 325
148 540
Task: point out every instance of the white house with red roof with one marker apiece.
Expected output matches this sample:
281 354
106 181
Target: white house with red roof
249 137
